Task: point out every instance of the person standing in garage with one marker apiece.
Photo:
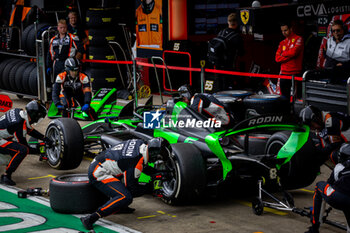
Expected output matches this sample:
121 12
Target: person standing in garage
75 28
115 172
290 55
62 46
14 126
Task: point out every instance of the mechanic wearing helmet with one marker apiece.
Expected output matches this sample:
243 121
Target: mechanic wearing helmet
72 85
62 46
14 126
207 105
115 172
329 127
336 191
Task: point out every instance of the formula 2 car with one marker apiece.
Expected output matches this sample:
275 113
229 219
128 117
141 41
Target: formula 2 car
273 147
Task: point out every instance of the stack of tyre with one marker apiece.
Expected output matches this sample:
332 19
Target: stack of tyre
19 75
29 36
101 26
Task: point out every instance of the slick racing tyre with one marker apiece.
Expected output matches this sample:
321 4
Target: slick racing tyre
187 178
73 194
68 149
301 170
267 103
233 93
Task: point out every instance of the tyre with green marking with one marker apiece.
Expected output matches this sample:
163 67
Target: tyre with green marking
67 152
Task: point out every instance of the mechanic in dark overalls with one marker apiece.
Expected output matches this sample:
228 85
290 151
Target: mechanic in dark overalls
14 126
207 105
73 86
61 47
336 191
115 172
329 127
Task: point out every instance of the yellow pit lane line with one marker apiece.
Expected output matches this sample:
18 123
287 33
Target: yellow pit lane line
41 177
306 190
266 209
155 215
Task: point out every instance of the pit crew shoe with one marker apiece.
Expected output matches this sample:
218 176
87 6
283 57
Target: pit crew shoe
5 179
87 222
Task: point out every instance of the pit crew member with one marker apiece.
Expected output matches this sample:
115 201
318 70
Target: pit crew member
61 47
14 126
336 191
115 172
73 86
329 127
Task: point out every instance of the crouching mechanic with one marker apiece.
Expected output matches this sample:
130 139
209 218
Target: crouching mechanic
70 86
14 126
115 172
207 105
336 191
329 127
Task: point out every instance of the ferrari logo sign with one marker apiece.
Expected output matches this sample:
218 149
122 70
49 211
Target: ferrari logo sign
244 16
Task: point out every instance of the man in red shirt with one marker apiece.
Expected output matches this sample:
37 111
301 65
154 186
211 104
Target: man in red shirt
290 55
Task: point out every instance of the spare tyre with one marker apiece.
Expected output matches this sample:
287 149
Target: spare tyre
73 194
98 37
12 75
19 76
100 17
101 53
29 37
6 73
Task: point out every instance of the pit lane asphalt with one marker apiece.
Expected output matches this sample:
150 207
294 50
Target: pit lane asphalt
228 212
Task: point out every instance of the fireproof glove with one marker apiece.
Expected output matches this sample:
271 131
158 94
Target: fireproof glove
48 71
85 107
60 106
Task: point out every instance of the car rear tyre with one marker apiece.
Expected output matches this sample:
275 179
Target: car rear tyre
73 194
67 153
188 175
267 103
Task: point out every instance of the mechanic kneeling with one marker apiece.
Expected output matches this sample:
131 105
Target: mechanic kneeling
72 85
115 172
207 105
14 126
328 127
336 191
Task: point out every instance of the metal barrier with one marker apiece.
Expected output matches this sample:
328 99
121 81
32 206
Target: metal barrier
190 66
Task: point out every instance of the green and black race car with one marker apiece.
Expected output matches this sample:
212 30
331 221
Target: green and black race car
272 147
104 102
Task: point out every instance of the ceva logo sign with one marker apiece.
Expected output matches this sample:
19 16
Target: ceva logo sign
321 9
309 10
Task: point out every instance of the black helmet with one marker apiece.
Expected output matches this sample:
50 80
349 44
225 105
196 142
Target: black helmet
36 111
344 153
185 91
154 147
311 114
71 64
